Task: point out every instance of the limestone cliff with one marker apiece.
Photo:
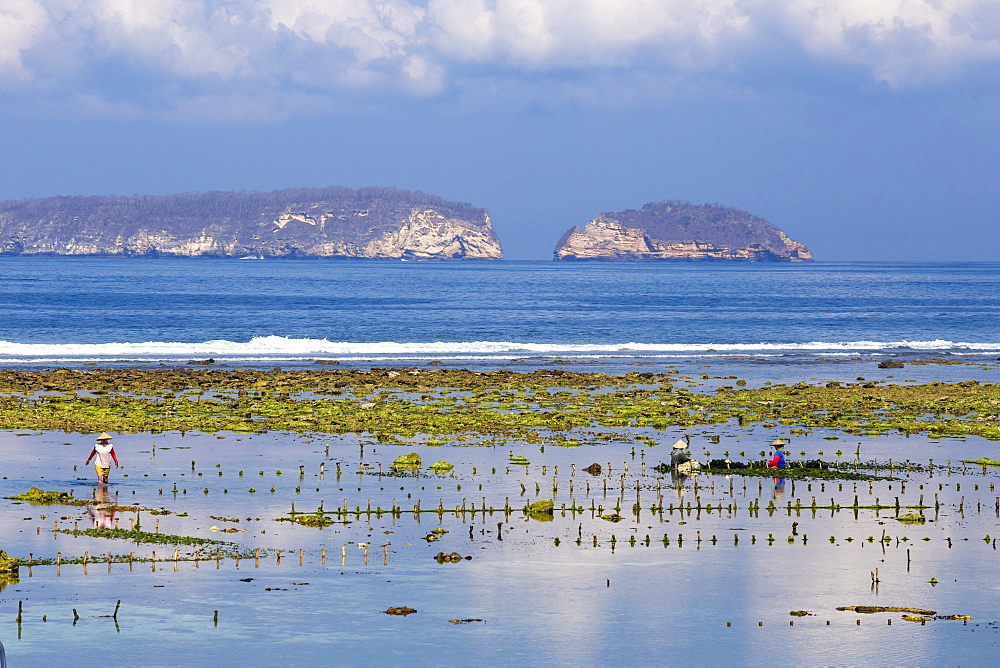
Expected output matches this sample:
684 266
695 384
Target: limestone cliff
377 223
675 230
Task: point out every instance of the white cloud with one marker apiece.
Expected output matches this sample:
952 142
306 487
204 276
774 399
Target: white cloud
405 47
901 42
21 23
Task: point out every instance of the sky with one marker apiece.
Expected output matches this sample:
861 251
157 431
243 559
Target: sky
865 129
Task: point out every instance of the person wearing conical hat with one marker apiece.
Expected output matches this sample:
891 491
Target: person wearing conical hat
105 453
778 461
677 455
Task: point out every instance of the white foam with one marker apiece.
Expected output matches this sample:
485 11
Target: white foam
279 348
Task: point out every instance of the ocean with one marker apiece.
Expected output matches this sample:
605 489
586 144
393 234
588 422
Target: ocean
109 312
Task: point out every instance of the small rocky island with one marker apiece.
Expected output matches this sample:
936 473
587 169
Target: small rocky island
676 230
335 222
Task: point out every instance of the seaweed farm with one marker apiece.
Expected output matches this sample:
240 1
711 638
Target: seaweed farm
445 516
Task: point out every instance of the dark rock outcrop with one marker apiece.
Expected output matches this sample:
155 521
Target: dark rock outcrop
379 223
675 230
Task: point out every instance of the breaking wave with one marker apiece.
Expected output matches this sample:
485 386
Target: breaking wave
279 348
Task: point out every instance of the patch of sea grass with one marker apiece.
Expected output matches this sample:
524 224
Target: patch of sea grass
870 609
137 536
982 461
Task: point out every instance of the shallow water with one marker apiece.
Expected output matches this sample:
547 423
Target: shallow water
670 601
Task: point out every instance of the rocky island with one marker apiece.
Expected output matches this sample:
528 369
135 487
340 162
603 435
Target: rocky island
335 222
676 230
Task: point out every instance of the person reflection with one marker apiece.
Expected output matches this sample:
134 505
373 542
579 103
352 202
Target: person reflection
677 481
102 513
779 488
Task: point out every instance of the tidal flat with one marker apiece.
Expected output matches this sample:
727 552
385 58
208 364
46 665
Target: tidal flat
261 516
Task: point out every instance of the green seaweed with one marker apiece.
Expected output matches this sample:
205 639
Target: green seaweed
317 519
442 405
539 507
871 609
450 558
137 536
409 459
40 496
8 565
982 461
400 610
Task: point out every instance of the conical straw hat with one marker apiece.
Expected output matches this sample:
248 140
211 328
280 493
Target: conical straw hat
680 444
777 442
105 436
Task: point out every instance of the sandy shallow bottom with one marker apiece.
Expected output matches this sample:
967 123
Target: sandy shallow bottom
711 586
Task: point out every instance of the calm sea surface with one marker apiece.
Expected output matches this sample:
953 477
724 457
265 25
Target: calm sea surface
78 310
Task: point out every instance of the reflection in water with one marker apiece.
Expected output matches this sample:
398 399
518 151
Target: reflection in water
779 488
679 480
102 513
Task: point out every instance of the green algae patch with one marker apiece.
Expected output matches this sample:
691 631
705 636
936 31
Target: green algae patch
318 520
916 618
137 536
543 506
911 519
401 610
613 517
442 466
870 609
410 459
519 459
812 470
982 461
799 613
449 558
38 495
541 511
9 565
495 406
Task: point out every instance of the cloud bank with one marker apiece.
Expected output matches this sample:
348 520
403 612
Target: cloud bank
225 57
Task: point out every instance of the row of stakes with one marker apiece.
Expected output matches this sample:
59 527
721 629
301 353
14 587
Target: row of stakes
890 467
76 616
754 507
218 557
215 618
598 510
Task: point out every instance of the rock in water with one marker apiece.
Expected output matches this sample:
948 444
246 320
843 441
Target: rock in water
377 223
675 230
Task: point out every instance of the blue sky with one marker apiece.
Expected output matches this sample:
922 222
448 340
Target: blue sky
866 129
